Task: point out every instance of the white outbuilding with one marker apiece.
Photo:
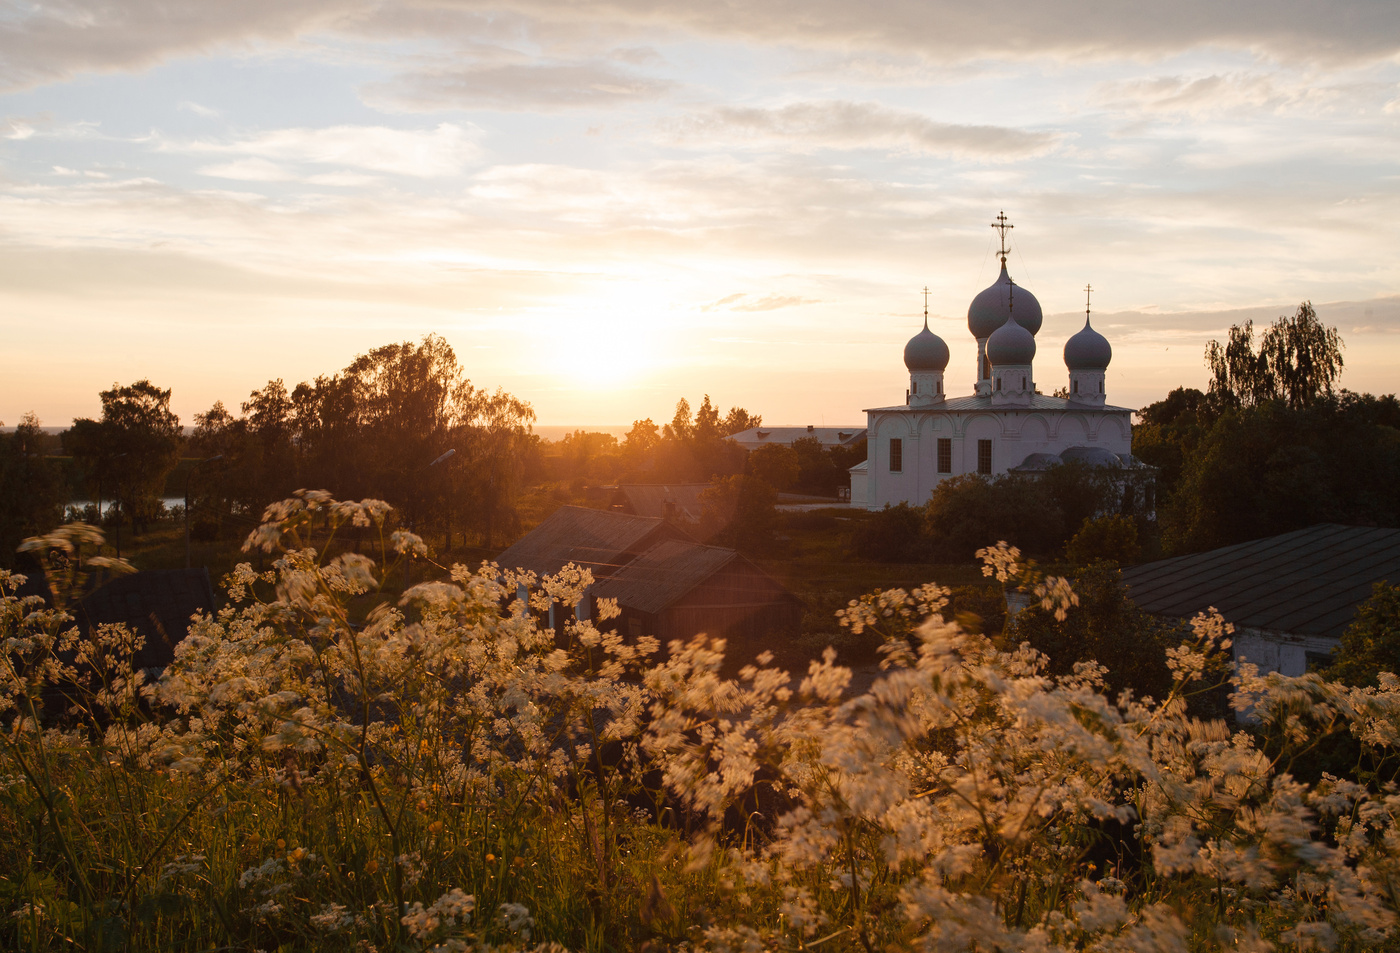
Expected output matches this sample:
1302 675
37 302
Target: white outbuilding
1005 424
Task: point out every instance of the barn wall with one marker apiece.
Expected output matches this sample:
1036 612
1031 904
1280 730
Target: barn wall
739 604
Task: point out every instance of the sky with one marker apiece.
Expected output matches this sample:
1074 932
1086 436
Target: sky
606 205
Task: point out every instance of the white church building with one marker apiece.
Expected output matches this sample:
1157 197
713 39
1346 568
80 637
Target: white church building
1005 424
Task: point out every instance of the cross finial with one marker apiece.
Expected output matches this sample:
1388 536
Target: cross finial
1001 226
1088 289
925 307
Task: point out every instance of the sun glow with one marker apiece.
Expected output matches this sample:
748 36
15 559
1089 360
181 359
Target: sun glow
611 345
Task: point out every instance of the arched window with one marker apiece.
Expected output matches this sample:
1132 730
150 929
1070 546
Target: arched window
1074 387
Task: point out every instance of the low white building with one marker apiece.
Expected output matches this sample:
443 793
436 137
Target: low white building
1005 424
828 437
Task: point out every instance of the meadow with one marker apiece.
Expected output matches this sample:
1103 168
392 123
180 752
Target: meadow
329 764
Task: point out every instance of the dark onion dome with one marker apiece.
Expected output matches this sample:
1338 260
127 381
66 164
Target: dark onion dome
1093 456
1087 350
926 352
1010 344
990 309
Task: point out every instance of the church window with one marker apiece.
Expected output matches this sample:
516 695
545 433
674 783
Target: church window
940 387
984 456
1100 387
896 455
998 383
1023 382
1074 387
945 454
986 368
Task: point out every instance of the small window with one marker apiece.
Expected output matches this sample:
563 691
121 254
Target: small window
945 454
1074 387
940 387
984 456
896 455
1023 382
986 368
998 383
1100 386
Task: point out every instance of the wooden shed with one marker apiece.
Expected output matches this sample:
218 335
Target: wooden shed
679 589
601 541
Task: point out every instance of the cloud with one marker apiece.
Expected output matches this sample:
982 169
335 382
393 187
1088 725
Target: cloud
1236 92
516 86
46 42
442 151
249 170
738 302
851 125
199 110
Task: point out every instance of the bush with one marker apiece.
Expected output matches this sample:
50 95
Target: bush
1111 538
894 534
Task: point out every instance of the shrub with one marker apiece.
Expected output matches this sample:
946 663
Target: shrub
894 534
1111 538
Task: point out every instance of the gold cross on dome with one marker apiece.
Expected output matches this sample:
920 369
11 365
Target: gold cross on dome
1001 226
1087 290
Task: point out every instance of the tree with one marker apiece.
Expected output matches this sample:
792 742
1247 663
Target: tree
1107 627
1298 361
776 465
1110 538
1371 643
739 511
31 489
130 451
894 534
1269 469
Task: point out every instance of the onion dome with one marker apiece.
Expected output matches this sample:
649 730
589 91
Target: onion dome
1010 344
990 309
926 352
1088 350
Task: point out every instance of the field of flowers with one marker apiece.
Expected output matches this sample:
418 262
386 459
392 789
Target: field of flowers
323 767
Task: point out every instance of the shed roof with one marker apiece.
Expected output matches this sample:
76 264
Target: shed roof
1308 582
660 500
598 540
665 573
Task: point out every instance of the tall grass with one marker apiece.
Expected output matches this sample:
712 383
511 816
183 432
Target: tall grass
324 768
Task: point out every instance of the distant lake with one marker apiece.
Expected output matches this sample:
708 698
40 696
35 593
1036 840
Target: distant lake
170 503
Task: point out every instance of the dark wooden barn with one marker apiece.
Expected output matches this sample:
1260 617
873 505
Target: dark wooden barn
666 584
601 541
678 589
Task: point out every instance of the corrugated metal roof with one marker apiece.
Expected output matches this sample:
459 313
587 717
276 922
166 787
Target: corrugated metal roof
974 402
599 540
1307 582
681 500
756 437
664 573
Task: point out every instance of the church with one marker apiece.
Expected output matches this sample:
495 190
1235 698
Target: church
1005 424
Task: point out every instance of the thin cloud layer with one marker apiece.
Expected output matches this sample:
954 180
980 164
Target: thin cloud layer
517 86
445 150
853 125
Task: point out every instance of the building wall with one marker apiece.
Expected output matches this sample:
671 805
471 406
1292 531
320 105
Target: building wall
1279 651
1015 434
747 608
